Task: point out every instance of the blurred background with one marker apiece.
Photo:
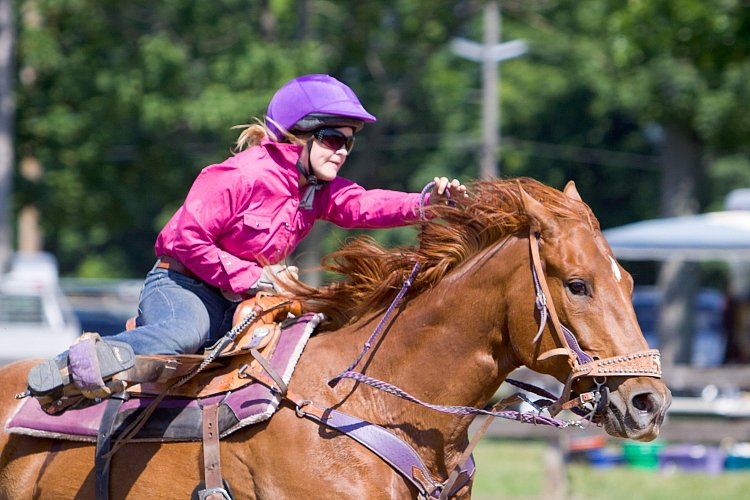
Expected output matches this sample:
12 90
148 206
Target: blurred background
108 110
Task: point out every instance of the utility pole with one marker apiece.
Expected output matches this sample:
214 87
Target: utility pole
490 53
7 116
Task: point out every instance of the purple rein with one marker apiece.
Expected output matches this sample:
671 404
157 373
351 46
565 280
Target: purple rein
396 302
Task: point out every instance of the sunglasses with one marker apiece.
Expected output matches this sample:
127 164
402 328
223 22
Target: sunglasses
334 140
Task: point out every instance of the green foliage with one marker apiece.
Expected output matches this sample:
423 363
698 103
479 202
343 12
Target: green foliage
123 103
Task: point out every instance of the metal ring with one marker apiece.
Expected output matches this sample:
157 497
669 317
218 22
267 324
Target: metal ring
300 405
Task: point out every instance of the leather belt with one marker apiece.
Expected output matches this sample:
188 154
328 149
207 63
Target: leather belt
172 264
167 262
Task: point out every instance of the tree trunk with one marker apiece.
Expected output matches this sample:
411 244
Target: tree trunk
7 113
678 280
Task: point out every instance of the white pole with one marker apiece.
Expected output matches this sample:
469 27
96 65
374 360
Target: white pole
490 98
490 53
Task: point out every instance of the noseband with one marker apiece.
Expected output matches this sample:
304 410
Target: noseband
638 364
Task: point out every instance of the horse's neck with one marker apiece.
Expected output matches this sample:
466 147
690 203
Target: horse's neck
450 337
447 346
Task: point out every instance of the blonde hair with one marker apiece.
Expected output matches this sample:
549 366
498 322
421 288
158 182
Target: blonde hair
253 133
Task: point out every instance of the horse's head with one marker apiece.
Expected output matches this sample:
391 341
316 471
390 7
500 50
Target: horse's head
592 341
476 278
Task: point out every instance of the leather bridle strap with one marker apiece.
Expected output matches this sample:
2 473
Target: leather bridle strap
103 443
638 364
544 301
212 481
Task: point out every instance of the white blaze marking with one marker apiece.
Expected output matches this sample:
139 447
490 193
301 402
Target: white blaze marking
615 268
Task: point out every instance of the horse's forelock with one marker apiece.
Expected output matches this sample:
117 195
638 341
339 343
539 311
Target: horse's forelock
372 275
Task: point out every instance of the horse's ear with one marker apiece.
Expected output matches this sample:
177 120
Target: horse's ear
539 217
571 192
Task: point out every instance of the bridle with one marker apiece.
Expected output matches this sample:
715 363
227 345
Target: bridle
638 364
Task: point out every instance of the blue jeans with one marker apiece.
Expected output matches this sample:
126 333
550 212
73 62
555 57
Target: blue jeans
177 314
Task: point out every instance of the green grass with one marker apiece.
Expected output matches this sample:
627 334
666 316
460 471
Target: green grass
508 469
516 470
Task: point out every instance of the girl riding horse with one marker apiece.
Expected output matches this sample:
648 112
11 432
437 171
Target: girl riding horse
239 222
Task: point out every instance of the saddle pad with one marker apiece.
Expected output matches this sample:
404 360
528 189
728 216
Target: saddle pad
175 419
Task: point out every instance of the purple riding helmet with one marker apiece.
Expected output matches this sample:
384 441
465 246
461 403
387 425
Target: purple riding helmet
313 101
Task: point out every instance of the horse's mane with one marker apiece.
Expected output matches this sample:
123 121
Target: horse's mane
372 275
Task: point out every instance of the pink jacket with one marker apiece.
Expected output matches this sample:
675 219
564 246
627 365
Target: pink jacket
244 213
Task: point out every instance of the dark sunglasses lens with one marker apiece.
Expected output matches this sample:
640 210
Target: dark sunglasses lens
335 140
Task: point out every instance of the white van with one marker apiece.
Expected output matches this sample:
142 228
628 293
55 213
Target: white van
36 320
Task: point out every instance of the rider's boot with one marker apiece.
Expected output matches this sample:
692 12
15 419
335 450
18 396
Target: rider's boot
84 369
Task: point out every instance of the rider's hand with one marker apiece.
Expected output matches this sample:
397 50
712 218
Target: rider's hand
273 278
286 277
445 189
277 277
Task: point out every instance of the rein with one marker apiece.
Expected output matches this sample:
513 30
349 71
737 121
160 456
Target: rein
581 363
396 301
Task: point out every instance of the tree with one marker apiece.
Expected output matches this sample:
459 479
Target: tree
672 65
127 103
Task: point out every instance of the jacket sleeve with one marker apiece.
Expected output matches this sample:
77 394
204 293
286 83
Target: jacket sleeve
349 205
208 210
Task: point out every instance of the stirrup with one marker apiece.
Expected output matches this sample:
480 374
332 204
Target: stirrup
51 377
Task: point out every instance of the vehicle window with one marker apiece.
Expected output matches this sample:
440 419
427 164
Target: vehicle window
21 309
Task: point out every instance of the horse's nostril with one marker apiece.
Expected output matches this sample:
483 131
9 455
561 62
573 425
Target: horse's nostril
645 402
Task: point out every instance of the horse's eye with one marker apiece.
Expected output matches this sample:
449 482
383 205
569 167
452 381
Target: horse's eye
577 287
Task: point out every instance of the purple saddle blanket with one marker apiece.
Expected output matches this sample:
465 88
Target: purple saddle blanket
175 419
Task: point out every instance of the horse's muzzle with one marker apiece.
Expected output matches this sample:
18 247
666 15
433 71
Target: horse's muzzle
637 408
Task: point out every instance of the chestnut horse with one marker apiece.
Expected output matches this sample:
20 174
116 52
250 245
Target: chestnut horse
467 321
